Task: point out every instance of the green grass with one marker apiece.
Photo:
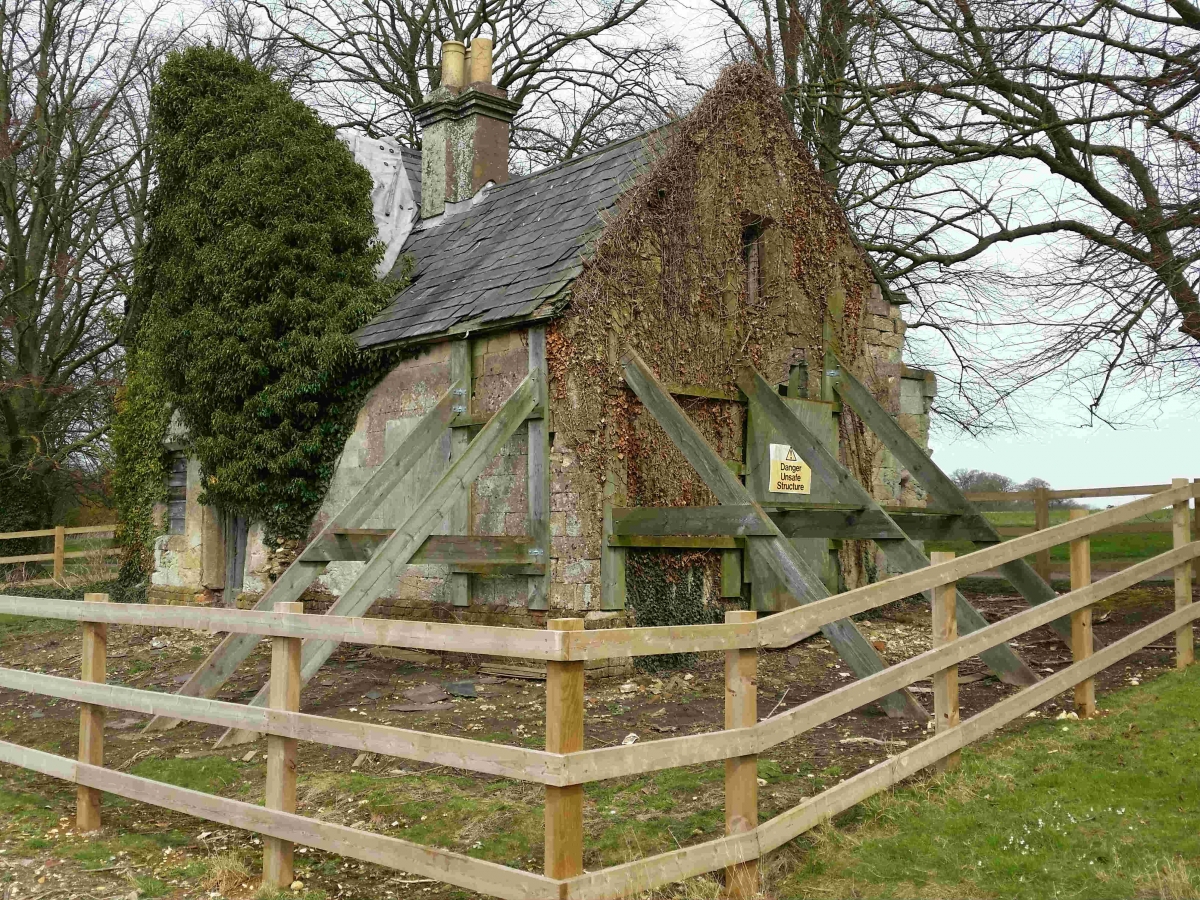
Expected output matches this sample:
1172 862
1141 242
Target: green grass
1104 547
211 774
1096 809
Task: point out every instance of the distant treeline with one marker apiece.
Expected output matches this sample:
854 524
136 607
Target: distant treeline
976 481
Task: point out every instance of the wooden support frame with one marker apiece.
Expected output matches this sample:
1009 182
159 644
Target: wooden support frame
1081 619
945 493
538 471
773 551
945 681
461 519
93 665
216 669
899 549
389 561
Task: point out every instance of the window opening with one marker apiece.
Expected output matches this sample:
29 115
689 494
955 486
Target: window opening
177 493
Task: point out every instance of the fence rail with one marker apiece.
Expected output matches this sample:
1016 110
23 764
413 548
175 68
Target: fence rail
59 555
565 766
1041 498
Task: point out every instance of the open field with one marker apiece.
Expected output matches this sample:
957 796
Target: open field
1109 551
160 853
1066 808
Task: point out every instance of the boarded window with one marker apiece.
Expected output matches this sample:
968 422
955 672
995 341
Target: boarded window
177 493
752 253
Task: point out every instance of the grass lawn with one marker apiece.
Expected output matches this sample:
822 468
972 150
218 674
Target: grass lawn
1129 547
1066 808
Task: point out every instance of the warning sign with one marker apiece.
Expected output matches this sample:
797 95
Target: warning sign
789 473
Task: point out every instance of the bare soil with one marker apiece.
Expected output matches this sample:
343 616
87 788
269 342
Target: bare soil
148 852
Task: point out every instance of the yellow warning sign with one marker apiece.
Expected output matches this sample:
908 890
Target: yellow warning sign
789 473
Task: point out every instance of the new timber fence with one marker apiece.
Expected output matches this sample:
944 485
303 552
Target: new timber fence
1042 497
59 555
564 766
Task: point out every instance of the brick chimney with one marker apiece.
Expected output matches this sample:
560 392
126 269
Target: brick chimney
465 127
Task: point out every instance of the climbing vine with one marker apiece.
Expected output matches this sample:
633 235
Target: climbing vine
260 265
139 480
672 588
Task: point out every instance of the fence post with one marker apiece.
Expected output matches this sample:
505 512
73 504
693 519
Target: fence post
741 772
1081 620
281 752
60 550
945 681
1041 521
1185 648
564 734
91 717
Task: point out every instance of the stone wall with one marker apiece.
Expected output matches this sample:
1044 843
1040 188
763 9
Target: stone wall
189 568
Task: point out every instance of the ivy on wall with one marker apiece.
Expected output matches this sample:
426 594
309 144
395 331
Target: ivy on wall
672 588
139 480
259 266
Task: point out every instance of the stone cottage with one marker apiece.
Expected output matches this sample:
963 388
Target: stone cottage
704 245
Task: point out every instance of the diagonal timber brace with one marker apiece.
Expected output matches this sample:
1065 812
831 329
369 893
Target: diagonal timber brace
774 550
946 494
233 650
899 548
388 562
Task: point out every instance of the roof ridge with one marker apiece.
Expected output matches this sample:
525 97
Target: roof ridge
583 156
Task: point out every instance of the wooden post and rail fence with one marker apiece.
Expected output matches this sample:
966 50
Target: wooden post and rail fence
59 555
1042 497
565 766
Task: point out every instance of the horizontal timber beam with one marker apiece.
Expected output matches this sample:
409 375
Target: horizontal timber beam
843 521
358 544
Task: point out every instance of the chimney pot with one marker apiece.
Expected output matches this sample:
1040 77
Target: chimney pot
480 61
453 71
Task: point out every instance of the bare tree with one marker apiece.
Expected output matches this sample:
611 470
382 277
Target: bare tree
953 131
585 72
73 180
1089 110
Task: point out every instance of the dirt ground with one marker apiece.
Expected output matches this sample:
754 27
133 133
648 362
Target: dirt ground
148 852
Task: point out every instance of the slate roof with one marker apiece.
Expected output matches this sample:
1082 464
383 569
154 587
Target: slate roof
412 167
517 247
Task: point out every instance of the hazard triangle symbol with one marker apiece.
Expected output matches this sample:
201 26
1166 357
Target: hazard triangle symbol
791 455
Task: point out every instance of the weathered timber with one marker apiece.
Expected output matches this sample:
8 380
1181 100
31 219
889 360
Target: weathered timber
360 544
461 518
388 563
538 474
216 669
945 492
774 551
901 551
689 520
